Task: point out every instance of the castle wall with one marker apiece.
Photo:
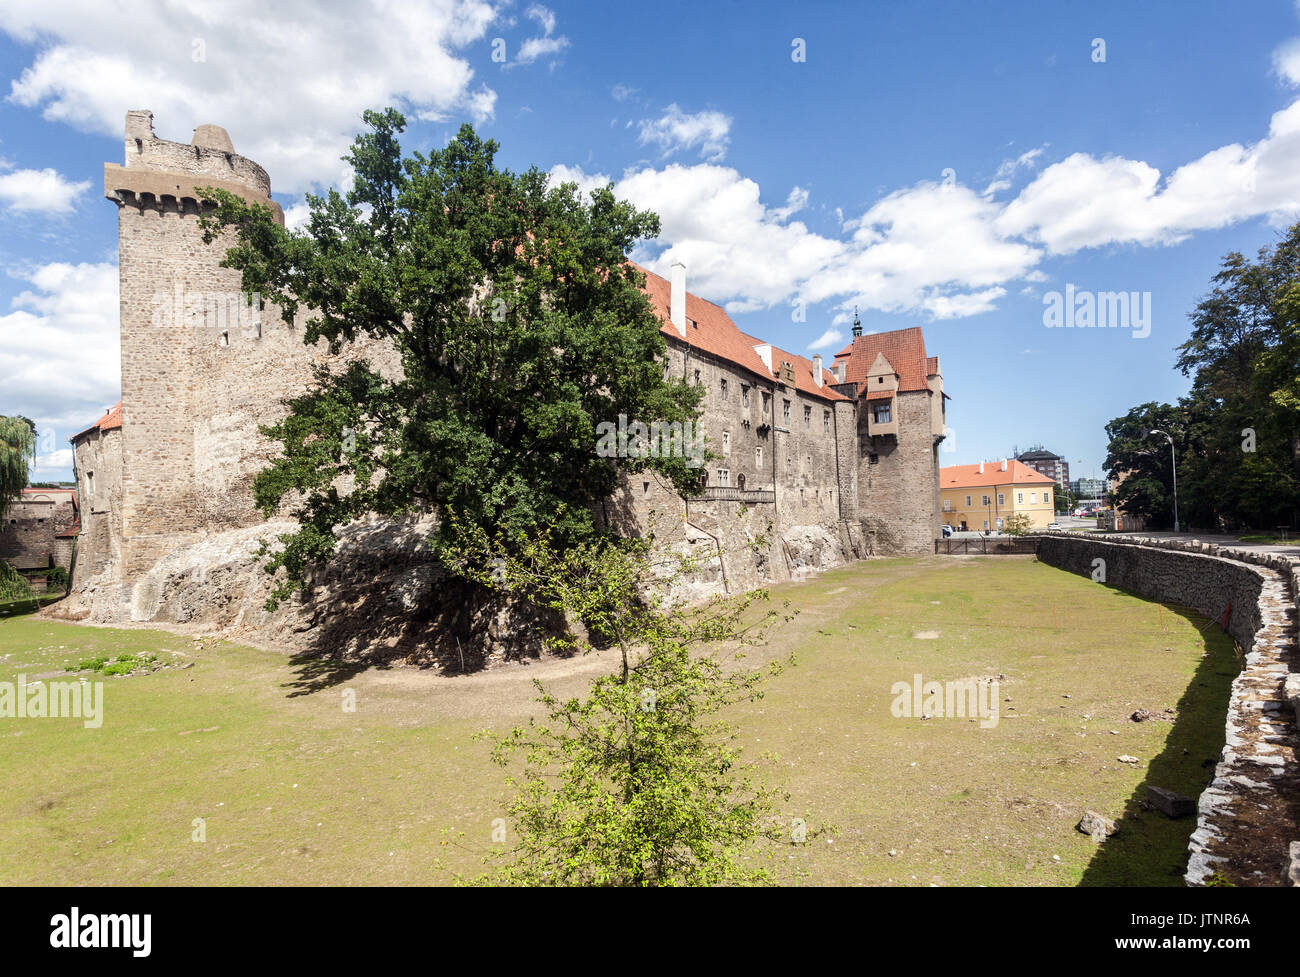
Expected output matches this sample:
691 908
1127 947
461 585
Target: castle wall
97 464
29 536
898 488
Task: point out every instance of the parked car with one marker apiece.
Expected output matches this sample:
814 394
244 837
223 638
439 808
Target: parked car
947 531
1053 526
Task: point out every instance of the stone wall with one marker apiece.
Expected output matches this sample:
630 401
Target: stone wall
898 479
97 464
1248 820
29 537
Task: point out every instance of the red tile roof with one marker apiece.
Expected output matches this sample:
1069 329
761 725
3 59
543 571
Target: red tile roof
905 350
961 476
708 327
112 419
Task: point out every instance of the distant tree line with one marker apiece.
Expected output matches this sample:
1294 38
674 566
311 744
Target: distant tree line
1237 432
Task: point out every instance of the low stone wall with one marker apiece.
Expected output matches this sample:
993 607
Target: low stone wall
1249 816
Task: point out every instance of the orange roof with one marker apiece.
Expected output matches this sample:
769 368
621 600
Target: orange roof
1017 473
111 420
708 327
905 350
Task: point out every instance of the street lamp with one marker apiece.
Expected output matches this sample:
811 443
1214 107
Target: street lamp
1173 460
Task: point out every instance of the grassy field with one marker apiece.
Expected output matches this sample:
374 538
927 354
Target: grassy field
293 789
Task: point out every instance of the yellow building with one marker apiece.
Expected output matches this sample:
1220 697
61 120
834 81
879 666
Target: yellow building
979 497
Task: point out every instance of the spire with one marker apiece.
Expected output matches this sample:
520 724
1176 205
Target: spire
857 323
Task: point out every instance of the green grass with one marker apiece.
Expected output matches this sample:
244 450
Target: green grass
1270 538
293 789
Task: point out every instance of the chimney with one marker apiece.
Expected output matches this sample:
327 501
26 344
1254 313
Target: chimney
1004 464
817 369
981 468
677 297
841 368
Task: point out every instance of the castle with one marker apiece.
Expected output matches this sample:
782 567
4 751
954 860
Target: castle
817 465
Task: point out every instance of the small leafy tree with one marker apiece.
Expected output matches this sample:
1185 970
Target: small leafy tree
1016 524
17 448
640 782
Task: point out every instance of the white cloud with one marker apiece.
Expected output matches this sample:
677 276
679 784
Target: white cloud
574 174
44 190
622 92
829 338
676 131
535 48
1084 202
1286 61
288 80
60 359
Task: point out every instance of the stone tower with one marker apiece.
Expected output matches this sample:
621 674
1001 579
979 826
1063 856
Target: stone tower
188 337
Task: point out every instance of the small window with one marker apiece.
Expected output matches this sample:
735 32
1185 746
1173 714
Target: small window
826 420
724 476
881 413
785 411
968 501
873 459
789 464
984 501
697 378
225 339
726 442
807 463
802 501
767 399
722 387
744 395
1020 498
807 416
758 456
645 488
1002 499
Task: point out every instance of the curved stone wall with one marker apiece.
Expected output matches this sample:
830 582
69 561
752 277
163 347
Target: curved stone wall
1248 818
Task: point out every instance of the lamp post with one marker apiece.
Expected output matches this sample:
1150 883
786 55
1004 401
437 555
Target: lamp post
1173 461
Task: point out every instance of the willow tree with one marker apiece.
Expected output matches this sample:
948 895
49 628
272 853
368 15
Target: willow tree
520 326
17 449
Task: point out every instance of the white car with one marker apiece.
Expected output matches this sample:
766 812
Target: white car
1053 526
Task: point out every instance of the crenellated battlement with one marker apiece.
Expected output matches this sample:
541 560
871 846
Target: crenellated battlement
157 171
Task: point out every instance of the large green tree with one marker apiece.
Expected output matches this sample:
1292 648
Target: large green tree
520 327
17 448
1238 429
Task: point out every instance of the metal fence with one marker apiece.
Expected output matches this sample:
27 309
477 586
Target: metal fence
986 545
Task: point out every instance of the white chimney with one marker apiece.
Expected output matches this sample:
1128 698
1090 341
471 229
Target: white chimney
1004 464
817 369
677 297
981 468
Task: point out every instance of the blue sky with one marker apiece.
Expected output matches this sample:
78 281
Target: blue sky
935 164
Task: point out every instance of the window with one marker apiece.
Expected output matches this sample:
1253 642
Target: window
726 442
1002 499
968 501
807 463
1020 498
947 505
826 420
724 476
767 398
645 488
697 378
802 501
789 464
225 339
722 388
758 456
785 411
984 501
744 395
807 416
881 413
873 459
